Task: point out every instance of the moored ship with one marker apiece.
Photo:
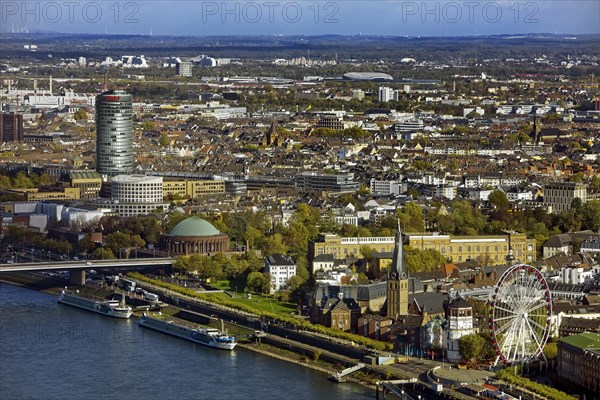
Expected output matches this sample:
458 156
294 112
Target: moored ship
211 337
112 308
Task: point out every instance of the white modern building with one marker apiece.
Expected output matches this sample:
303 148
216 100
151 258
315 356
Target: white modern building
448 192
387 94
386 188
281 268
136 195
575 275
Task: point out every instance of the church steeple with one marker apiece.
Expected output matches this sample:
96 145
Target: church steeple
397 283
398 257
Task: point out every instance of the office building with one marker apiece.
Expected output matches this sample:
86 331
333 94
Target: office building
329 183
134 195
579 360
190 189
114 133
488 250
184 68
560 195
11 127
88 182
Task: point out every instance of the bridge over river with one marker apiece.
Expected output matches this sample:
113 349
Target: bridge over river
77 268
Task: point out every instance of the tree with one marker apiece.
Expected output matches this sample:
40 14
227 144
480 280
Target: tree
251 261
307 216
498 199
471 347
252 236
411 218
103 253
150 229
569 221
274 245
302 268
117 240
366 252
418 260
86 245
445 223
590 215
594 183
467 219
550 350
233 268
258 282
164 141
23 181
173 219
80 114
5 182
294 283
296 237
148 126
45 179
15 235
328 223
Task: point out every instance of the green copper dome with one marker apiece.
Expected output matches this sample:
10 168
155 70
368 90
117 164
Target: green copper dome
194 227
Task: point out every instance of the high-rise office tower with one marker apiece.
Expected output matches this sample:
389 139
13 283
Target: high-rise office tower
11 127
114 133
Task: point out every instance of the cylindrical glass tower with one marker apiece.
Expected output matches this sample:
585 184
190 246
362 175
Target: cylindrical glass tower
114 133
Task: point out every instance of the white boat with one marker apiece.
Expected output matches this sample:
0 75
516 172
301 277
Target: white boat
211 337
112 308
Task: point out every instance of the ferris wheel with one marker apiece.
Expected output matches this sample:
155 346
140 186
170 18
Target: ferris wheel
520 315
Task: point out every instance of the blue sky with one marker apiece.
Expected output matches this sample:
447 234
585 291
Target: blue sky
309 17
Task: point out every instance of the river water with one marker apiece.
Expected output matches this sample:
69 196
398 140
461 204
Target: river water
54 351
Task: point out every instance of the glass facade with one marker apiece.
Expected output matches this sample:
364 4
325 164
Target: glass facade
114 133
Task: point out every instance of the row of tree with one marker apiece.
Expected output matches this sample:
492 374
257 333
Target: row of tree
22 180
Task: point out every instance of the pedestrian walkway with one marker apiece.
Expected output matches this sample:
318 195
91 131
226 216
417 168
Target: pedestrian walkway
450 375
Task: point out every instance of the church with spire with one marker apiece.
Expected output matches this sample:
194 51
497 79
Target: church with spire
397 283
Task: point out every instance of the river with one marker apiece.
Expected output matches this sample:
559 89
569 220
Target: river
54 351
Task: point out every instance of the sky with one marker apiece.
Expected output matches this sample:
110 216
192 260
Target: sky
304 17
